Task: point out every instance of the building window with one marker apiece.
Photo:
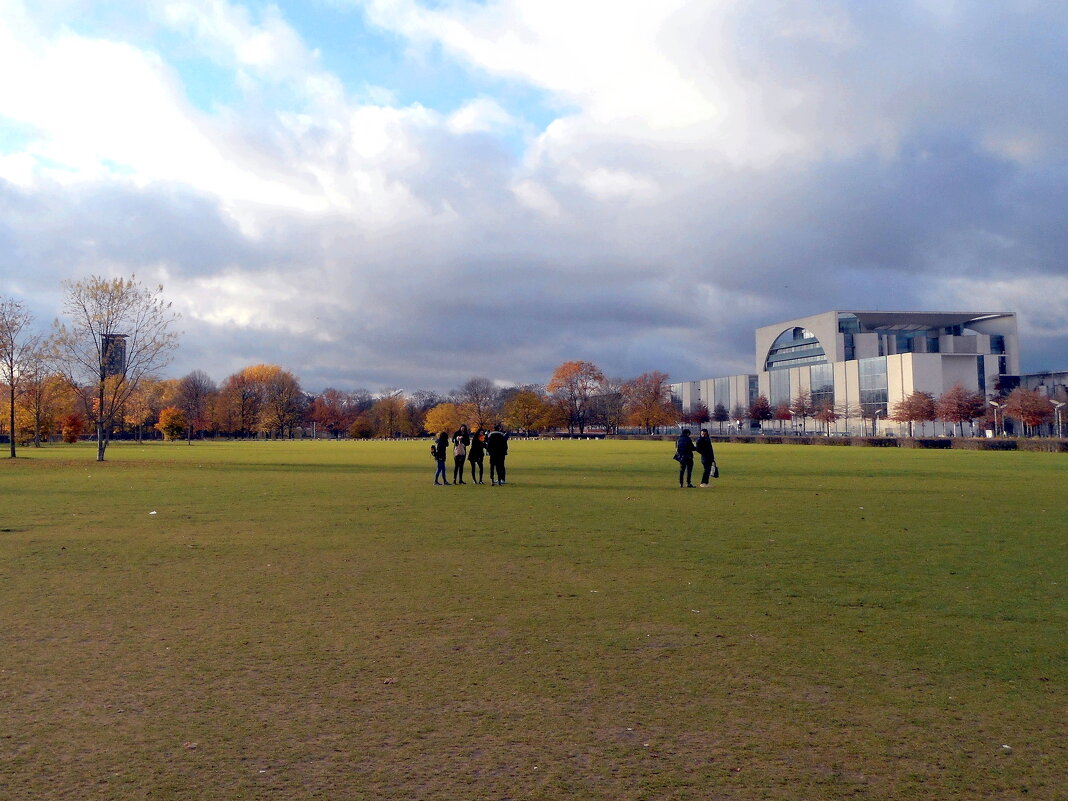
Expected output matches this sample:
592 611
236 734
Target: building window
822 380
722 389
873 386
794 347
780 387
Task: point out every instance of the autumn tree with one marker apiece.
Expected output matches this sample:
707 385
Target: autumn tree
72 427
760 410
144 404
826 413
1030 407
958 406
573 384
479 398
194 393
783 414
919 407
172 423
18 352
740 415
240 396
648 401
390 415
720 415
802 406
443 417
362 427
698 415
527 410
280 397
334 410
45 399
608 406
118 332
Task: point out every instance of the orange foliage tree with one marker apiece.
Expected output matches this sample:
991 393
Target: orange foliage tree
919 407
1031 408
958 406
648 401
574 384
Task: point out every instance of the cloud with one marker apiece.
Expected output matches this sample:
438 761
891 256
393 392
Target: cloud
707 168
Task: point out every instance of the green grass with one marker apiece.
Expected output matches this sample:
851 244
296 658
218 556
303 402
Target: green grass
317 620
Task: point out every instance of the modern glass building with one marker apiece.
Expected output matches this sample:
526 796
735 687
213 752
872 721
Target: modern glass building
864 362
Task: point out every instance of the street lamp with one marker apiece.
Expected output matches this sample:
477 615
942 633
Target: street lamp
875 422
996 406
1057 405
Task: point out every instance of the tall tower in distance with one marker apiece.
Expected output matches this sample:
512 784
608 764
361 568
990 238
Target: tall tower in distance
113 354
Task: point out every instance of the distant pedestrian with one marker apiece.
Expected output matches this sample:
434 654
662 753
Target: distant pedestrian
476 455
708 456
460 440
684 449
440 448
497 448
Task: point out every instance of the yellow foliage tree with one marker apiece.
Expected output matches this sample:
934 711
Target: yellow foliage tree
443 417
171 423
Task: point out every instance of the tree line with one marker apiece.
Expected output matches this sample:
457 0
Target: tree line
97 373
956 407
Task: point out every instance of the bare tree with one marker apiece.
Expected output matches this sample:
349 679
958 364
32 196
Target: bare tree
18 352
480 396
608 406
118 333
194 390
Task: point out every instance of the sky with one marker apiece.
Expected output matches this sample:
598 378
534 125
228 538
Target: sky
409 193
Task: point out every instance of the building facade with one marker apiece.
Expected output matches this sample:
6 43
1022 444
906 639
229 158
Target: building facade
864 362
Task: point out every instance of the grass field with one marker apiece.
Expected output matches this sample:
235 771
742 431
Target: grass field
317 620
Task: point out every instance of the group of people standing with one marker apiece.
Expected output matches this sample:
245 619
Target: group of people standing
684 451
473 448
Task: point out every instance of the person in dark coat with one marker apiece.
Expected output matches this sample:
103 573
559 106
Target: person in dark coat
708 455
441 447
497 448
684 449
460 440
476 456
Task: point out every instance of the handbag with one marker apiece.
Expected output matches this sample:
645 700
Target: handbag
677 457
715 470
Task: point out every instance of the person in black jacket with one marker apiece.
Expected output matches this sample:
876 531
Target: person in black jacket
441 447
476 456
684 449
460 440
497 448
708 456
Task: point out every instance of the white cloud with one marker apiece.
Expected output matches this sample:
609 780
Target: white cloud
481 115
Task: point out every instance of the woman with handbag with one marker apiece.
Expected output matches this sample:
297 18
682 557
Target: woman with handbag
708 457
684 449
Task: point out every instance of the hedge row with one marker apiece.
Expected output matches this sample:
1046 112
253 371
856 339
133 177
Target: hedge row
958 443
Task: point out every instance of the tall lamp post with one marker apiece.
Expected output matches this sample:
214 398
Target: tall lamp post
1057 406
996 407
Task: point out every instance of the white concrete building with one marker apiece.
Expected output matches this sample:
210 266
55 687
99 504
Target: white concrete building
864 362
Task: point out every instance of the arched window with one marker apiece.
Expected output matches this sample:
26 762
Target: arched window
794 347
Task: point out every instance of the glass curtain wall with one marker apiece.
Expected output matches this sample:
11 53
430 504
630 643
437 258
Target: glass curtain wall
873 386
821 377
